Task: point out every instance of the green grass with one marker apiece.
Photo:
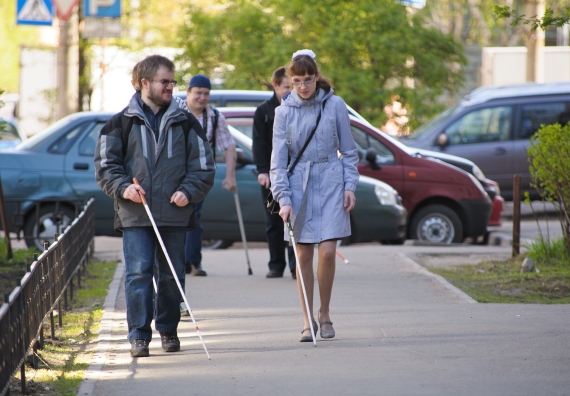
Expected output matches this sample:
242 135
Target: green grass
503 282
67 355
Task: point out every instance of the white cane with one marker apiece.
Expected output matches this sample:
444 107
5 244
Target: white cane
302 281
171 266
242 230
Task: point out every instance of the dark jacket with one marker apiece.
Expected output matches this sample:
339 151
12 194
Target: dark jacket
263 134
177 162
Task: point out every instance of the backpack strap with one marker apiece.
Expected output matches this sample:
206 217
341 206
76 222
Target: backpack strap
126 126
215 119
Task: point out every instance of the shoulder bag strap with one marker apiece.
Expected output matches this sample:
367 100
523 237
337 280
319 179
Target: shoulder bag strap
290 170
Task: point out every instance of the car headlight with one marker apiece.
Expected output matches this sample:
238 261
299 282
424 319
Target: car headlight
386 196
478 173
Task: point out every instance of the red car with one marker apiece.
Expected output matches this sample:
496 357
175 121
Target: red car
445 204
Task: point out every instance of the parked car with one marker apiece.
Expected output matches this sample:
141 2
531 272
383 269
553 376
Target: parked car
492 127
9 135
445 204
46 176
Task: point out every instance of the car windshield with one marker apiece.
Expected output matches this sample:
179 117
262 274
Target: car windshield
425 128
40 137
394 141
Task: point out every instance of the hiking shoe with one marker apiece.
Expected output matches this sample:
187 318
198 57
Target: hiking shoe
274 274
170 342
183 310
197 270
139 348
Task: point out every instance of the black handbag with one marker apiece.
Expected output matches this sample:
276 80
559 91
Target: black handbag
271 203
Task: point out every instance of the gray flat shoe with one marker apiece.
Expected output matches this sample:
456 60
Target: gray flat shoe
308 338
327 333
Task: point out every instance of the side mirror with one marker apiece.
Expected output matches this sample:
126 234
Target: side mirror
442 141
371 158
242 158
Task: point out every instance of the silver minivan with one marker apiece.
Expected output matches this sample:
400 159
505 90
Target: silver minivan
492 127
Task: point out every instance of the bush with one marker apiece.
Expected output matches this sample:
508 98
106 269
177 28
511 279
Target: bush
548 155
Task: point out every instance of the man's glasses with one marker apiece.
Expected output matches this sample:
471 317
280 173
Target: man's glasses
166 83
307 83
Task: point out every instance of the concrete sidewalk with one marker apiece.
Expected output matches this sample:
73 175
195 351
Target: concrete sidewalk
399 331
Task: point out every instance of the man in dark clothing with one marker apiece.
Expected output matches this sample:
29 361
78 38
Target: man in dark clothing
166 149
262 146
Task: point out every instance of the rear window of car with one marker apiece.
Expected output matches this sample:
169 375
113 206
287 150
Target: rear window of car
537 114
64 142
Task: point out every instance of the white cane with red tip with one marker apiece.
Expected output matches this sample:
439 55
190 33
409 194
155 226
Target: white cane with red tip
171 266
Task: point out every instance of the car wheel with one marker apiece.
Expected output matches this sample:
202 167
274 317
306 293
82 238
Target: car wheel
211 244
436 223
47 225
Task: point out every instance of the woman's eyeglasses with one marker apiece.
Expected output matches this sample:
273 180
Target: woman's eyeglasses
307 83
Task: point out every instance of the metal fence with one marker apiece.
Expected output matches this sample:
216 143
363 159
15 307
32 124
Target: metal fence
47 280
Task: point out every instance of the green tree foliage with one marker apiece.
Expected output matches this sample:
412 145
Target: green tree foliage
535 22
550 169
373 50
2 123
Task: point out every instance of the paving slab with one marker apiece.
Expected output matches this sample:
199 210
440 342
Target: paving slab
399 331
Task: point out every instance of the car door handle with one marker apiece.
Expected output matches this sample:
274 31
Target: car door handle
500 151
80 166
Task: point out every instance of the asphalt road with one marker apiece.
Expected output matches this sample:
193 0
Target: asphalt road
400 331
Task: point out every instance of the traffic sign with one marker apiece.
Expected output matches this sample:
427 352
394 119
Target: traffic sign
64 8
102 27
414 3
34 12
102 8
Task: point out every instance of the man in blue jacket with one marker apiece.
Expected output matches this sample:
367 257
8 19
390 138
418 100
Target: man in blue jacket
166 149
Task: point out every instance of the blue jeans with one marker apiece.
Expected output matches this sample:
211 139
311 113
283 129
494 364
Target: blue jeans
194 238
143 257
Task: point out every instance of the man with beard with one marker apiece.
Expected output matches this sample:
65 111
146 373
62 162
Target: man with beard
166 149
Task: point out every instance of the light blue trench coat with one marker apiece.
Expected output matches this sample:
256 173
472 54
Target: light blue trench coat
320 172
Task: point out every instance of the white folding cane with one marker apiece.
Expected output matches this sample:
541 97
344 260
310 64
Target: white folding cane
302 281
171 266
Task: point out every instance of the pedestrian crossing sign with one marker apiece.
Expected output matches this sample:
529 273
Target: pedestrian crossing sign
34 12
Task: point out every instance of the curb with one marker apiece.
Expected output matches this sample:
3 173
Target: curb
424 271
103 339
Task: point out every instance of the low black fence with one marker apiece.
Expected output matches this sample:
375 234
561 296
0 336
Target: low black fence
47 281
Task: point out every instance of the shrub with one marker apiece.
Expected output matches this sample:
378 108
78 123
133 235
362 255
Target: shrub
549 154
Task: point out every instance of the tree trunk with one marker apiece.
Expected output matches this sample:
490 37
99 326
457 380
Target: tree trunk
535 43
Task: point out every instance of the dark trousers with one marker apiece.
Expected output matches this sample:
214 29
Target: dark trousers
275 231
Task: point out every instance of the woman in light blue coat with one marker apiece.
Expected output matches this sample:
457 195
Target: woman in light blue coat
319 194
